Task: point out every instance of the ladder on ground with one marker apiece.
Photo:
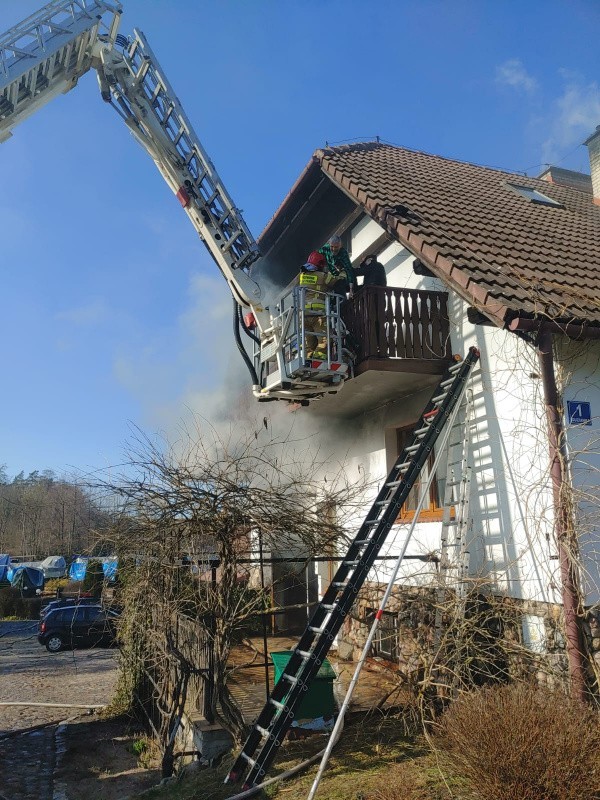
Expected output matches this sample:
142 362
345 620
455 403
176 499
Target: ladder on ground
275 719
454 556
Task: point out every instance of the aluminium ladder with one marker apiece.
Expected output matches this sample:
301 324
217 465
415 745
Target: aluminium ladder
454 556
278 713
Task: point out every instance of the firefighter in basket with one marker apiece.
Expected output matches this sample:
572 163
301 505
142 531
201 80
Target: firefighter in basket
314 278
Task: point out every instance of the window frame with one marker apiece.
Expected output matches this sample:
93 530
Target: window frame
434 512
388 630
534 195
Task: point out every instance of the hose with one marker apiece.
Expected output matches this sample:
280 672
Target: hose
51 705
241 348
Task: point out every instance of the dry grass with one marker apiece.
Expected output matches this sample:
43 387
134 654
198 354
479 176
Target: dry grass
373 754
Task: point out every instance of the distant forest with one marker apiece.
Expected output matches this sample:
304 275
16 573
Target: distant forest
42 515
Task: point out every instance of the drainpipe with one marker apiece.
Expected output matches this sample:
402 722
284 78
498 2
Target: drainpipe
564 534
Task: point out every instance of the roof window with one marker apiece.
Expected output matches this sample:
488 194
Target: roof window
534 195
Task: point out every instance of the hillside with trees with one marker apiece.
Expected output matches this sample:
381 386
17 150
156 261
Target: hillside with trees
42 514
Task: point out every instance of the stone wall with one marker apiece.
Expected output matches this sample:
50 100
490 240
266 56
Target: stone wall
496 638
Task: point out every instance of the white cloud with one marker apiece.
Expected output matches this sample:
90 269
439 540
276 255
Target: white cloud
513 73
575 113
90 314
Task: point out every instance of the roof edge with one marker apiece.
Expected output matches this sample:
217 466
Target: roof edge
309 171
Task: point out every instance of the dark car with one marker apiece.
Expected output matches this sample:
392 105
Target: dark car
78 626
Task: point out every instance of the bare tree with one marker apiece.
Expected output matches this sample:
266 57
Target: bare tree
188 520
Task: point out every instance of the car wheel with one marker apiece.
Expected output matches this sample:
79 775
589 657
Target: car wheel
54 643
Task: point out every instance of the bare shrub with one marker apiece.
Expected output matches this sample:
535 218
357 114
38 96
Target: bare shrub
517 742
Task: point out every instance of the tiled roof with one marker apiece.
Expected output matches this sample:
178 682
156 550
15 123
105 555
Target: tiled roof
503 253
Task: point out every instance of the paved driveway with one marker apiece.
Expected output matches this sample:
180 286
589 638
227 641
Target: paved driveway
31 674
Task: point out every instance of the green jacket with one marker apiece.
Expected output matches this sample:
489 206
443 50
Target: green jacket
338 264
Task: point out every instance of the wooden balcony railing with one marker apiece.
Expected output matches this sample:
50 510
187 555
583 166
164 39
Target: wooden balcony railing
386 322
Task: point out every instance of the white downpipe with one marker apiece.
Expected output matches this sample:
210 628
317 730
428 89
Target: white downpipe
340 719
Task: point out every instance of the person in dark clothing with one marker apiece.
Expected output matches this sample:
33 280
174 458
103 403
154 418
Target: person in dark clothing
339 266
372 271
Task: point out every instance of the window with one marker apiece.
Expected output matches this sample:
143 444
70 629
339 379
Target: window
385 642
432 510
534 195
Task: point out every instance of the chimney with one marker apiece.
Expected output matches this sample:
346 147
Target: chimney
593 146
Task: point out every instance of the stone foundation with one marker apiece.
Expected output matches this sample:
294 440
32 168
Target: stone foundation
497 638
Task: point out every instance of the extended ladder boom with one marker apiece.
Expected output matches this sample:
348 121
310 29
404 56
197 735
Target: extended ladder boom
46 55
277 716
135 85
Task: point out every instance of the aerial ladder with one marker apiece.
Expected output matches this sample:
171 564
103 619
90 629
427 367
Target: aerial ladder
272 724
46 55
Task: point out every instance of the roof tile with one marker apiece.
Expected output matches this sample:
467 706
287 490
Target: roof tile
468 225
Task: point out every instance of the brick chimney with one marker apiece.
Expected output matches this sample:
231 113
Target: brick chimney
593 146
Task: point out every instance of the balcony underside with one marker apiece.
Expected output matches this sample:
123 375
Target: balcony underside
380 381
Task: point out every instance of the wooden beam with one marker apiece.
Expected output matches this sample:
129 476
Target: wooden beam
417 366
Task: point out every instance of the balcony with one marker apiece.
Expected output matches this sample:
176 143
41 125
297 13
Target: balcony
402 344
401 330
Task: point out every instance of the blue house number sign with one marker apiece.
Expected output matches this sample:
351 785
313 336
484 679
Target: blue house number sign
580 413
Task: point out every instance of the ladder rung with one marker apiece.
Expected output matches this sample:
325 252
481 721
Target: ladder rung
328 606
361 541
392 484
412 448
289 678
447 382
261 730
456 367
312 629
247 758
425 429
439 397
338 584
371 522
305 654
350 563
277 704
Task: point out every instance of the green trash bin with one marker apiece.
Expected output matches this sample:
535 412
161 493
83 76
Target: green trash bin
319 700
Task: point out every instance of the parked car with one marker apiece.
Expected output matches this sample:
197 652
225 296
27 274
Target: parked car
81 625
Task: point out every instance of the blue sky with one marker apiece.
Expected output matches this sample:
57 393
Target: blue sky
113 315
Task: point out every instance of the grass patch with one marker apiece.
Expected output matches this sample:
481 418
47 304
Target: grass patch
372 755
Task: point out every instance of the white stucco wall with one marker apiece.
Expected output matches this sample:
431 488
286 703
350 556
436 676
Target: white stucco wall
578 373
510 537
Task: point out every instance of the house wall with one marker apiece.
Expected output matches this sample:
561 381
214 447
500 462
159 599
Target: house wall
578 374
510 538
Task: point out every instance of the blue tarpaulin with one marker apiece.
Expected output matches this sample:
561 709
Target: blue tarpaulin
109 567
4 567
27 579
78 568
